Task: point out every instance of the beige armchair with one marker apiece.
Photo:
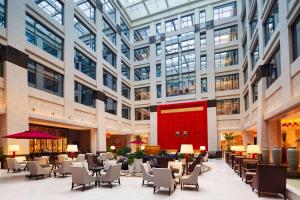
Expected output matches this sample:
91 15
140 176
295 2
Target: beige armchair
44 160
62 157
64 169
163 178
175 165
12 164
36 170
80 176
112 174
146 173
191 179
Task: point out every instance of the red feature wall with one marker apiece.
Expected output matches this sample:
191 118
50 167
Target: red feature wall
183 118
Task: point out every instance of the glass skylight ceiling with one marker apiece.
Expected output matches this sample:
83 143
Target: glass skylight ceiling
141 8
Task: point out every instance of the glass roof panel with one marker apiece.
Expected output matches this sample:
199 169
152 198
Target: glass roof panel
136 11
156 5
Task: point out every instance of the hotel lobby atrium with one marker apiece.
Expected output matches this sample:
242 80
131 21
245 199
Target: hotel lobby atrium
152 99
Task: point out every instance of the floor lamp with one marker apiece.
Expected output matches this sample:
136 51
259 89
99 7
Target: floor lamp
72 148
14 148
186 149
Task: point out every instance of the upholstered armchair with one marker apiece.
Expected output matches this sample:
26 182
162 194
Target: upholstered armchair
175 165
80 177
62 157
12 164
64 169
36 170
248 165
113 174
163 178
191 179
147 173
270 178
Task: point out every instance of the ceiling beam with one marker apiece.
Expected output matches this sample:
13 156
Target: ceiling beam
146 7
167 3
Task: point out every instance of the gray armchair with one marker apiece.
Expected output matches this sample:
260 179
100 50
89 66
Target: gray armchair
146 173
80 177
12 164
113 174
64 169
36 170
191 179
163 178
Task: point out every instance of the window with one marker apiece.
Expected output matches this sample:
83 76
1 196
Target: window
54 8
109 55
125 70
296 38
124 29
225 35
202 17
109 32
125 49
2 13
245 74
126 112
158 91
225 11
109 10
87 8
110 105
271 22
158 29
171 25
203 85
84 64
227 82
141 34
44 78
253 22
228 106
141 54
246 100
203 39
84 34
180 64
142 73
142 93
226 58
255 55
84 95
142 113
244 45
273 68
203 62
158 70
125 91
254 88
43 38
187 21
109 80
158 49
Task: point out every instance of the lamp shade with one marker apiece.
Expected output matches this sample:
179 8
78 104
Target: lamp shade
233 148
143 147
186 149
253 149
202 148
14 147
112 147
72 148
240 148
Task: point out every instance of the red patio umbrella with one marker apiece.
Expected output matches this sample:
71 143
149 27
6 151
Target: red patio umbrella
137 142
31 135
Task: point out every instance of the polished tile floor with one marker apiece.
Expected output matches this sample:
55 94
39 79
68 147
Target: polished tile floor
219 183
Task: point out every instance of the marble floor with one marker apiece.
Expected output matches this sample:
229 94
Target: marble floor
219 183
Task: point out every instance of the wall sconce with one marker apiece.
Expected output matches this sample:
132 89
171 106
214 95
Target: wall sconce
177 133
33 109
52 113
185 133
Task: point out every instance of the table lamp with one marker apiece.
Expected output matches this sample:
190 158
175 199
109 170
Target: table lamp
143 147
202 149
113 147
72 148
240 149
14 148
187 149
233 148
253 150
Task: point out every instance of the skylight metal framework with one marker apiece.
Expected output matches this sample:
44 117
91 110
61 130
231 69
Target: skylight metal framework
136 9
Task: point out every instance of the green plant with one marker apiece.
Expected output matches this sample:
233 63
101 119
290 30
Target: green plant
162 153
181 156
123 151
130 159
138 138
139 154
228 137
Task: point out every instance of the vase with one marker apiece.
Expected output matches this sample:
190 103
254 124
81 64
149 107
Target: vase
292 158
137 165
265 153
277 155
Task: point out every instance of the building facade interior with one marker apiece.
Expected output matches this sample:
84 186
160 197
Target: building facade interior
152 76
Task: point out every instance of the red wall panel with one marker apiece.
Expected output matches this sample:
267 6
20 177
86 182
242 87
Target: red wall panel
194 122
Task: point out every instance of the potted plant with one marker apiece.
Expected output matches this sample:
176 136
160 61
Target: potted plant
138 160
121 152
129 162
229 138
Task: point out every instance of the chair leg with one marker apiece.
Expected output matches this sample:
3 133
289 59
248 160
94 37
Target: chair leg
83 187
181 186
119 181
72 186
197 187
110 184
153 189
169 191
143 183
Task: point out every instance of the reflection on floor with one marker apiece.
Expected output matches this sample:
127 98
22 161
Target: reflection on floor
220 183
